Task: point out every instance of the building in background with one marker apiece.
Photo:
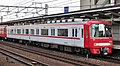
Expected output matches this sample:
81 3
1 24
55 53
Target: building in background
88 4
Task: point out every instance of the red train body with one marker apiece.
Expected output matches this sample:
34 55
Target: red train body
98 44
3 33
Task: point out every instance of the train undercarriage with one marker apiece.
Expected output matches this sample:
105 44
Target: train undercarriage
64 48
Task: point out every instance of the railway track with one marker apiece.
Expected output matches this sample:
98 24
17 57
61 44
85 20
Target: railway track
68 58
113 58
25 60
53 56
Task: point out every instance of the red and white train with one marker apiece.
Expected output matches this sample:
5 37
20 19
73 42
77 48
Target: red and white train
91 37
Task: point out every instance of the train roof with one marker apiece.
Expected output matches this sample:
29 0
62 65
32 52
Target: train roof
69 23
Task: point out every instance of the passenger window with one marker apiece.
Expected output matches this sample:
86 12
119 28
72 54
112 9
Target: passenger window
37 31
22 31
18 31
52 32
32 31
27 31
62 32
44 31
74 32
82 33
86 33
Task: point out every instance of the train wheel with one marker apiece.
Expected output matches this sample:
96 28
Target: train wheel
61 48
53 46
77 50
68 49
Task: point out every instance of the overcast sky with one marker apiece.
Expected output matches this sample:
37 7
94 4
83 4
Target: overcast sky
57 4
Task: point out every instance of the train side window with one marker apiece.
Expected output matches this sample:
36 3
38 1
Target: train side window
62 32
18 31
82 33
72 32
37 31
32 31
44 32
27 31
75 32
52 32
22 31
86 33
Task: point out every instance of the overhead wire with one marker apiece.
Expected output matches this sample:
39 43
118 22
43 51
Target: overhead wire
49 1
46 2
30 5
19 4
27 2
59 3
67 3
51 6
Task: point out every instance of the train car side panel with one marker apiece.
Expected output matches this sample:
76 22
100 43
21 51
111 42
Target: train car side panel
69 40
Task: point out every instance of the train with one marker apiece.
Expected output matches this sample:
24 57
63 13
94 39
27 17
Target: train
87 37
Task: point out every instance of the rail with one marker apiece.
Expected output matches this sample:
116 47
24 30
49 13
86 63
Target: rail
53 56
25 60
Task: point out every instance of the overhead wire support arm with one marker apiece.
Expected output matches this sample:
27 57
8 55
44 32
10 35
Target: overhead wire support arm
20 6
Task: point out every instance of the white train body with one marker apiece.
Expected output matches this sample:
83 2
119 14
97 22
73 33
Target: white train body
75 39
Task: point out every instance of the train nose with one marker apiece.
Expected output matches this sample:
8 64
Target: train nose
105 51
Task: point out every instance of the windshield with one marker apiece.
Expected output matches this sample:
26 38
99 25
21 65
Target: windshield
101 30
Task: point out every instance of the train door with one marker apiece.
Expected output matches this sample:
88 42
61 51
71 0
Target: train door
81 37
74 34
78 34
86 35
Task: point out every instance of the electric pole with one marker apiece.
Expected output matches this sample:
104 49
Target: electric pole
46 9
1 18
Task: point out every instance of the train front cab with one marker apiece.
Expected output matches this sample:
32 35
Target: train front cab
2 32
98 37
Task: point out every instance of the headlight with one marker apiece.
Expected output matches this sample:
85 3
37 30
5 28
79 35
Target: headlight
102 44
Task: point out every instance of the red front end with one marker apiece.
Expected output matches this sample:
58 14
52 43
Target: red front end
98 37
101 45
3 31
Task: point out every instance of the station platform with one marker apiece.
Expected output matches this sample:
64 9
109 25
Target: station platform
116 47
116 44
